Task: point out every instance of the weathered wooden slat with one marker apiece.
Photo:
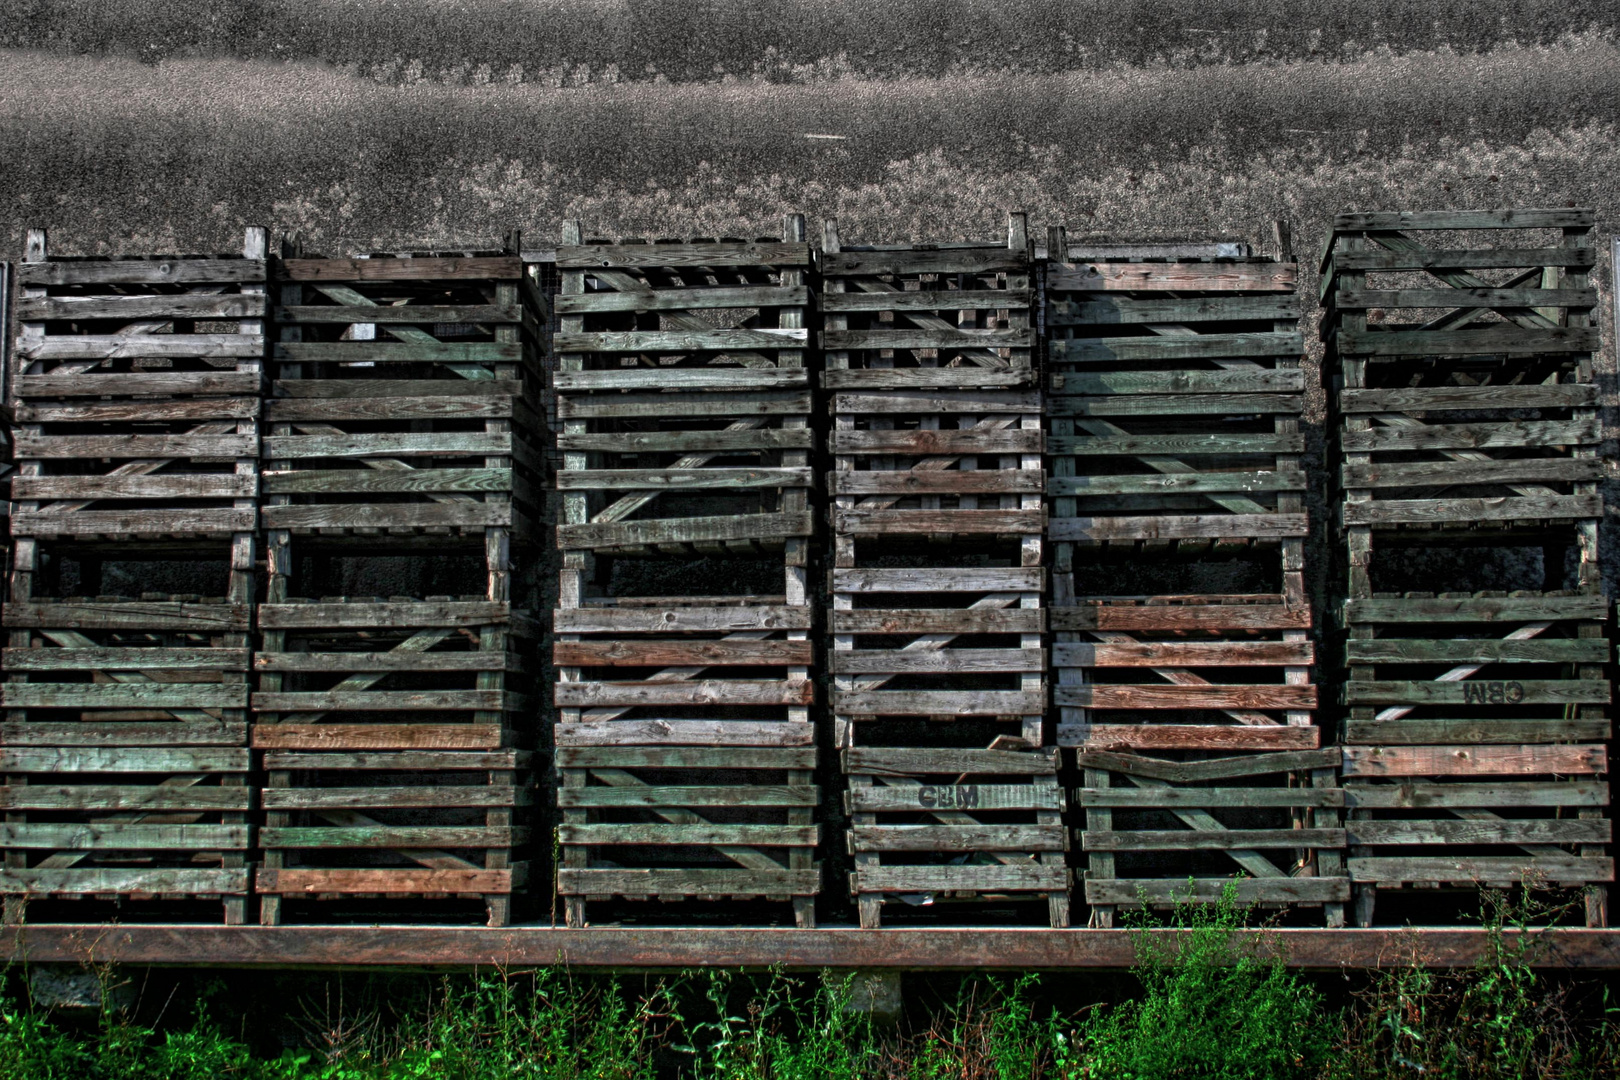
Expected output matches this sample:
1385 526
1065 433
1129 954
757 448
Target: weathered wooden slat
1462 258
1536 396
1211 696
643 796
1477 651
1156 798
454 387
123 759
390 444
140 307
928 797
399 352
927 338
384 614
392 836
682 341
629 442
731 253
140 346
1200 840
1447 473
631 653
412 268
1463 219
853 402
1183 654
1123 310
1197 736
572 882
1507 340
105 798
1409 732
1260 380
682 757
384 700
1208 616
150 881
599 534
939 579
1280 277
929 378
1192 772
920 760
682 479
113 384
672 378
1537 831
1473 760
124 836
305 881
375 736
1508 433
381 407
940 481
676 620
1176 483
685 692
1503 508
1358 299
1501 794
398 314
372 481
1476 692
955 838
662 299
938 702
347 662
437 796
970 260
939 621
1177 527
1033 877
938 661
1131 892
1175 405
388 515
936 443
101 522
1179 347
398 761
174 271
1472 869
122 733
713 733
858 521
129 615
1178 446
135 446
1493 609
750 835
116 412
15 695
205 486
923 300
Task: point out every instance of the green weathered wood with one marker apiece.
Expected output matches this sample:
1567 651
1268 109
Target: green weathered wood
1583 431
690 405
107 798
1284 380
931 797
1447 473
1175 483
684 757
682 479
1473 869
1503 339
1180 445
388 444
15 695
937 378
1132 892
662 299
122 836
438 796
705 834
919 761
631 442
1110 310
680 341
1422 258
1476 609
1178 347
684 883
393 836
1357 299
1201 840
924 338
955 838
647 796
1500 794
1032 877
149 881
143 759
118 659
1475 692
1177 527
122 733
1416 399
1157 798
179 270
1476 651
129 615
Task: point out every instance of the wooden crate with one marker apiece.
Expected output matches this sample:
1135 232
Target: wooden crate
1467 414
936 824
124 748
135 387
1160 831
937 515
684 742
405 402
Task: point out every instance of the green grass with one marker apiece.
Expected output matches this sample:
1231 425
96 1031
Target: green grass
1201 1009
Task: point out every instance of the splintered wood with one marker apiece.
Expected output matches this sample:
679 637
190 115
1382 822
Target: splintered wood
396 733
1468 416
683 737
136 394
939 688
1173 407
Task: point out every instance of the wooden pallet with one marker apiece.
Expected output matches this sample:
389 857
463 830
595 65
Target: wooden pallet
1159 831
937 517
124 748
684 742
936 824
1468 414
406 398
135 390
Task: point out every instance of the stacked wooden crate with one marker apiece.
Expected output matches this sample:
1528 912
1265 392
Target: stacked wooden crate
1467 417
1174 402
938 671
136 396
683 736
396 732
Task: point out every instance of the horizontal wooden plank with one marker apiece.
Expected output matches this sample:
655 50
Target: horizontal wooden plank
374 481
858 521
676 620
964 260
137 881
731 253
939 579
1476 609
681 341
632 653
927 378
1177 483
642 796
1476 650
673 378
945 339
922 761
1476 692
1172 276
941 481
390 881
405 268
857 402
1179 445
122 659
634 442
1501 339
1473 760
930 443
385 701
677 480
1130 892
938 703
1359 299
431 761
1472 869
1164 798
1178 347
683 757
1499 794
683 883
386 614
141 307
1175 405
394 797
693 299
1211 840
1183 654
1210 696
168 271
1582 431
122 759
138 383
109 798
140 346
413 736
398 314
1107 310
938 621
115 695
467 515
1462 258
715 733
935 661
600 534
385 661
103 522
956 838
129 615
391 836
1537 831
205 486
135 446
399 352
389 444
687 405
1421 732
127 412
381 406
123 836
1536 470
1256 381
934 300
929 797
1033 877
1190 772
1463 219
684 692
1184 616
1177 527
663 834
1193 737
1501 508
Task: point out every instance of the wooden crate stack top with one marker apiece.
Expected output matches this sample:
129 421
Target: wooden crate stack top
1175 391
937 579
135 390
1467 415
397 732
684 741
